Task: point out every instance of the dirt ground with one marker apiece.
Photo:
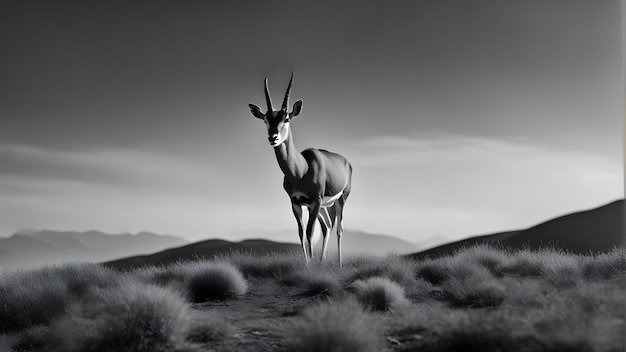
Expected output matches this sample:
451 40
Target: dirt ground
259 318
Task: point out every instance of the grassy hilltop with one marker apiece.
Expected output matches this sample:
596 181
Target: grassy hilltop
481 298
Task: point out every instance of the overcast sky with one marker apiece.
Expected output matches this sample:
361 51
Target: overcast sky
459 117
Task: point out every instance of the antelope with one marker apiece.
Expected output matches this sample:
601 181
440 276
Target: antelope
315 179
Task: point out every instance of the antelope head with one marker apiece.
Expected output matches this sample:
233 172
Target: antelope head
277 121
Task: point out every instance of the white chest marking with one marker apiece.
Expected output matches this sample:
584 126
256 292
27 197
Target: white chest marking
327 201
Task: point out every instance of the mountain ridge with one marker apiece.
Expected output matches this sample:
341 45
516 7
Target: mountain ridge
353 241
594 230
206 249
31 248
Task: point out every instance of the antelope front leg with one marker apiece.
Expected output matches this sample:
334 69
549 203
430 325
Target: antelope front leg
314 211
327 218
297 212
324 220
339 207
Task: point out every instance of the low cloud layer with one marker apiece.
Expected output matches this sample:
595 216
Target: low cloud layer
123 168
410 186
113 190
460 185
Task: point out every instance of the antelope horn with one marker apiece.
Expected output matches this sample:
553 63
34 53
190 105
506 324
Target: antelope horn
286 101
268 100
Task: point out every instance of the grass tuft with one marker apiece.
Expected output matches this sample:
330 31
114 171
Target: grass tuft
523 265
30 299
209 281
335 326
131 317
423 291
393 267
515 329
35 297
208 329
33 339
319 281
473 294
380 294
490 256
433 273
160 276
82 277
268 266
605 265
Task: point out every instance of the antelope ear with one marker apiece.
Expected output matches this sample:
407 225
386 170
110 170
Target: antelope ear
297 108
256 111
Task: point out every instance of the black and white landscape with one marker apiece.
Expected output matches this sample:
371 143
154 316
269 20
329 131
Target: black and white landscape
481 297
467 167
476 294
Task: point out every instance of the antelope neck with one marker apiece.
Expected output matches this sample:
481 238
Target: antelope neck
291 162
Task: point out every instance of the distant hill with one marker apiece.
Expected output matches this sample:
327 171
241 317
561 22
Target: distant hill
27 249
596 230
353 242
430 241
205 249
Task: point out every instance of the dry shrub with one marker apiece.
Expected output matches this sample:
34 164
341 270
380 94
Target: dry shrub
463 281
423 290
581 318
33 339
200 280
82 277
434 272
522 264
605 265
392 267
131 317
314 281
560 268
456 331
380 293
266 266
437 271
473 292
35 297
212 281
435 328
206 328
529 310
31 298
161 276
334 326
491 256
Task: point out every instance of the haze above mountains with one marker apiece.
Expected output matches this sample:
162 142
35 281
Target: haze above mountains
596 230
27 249
34 248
